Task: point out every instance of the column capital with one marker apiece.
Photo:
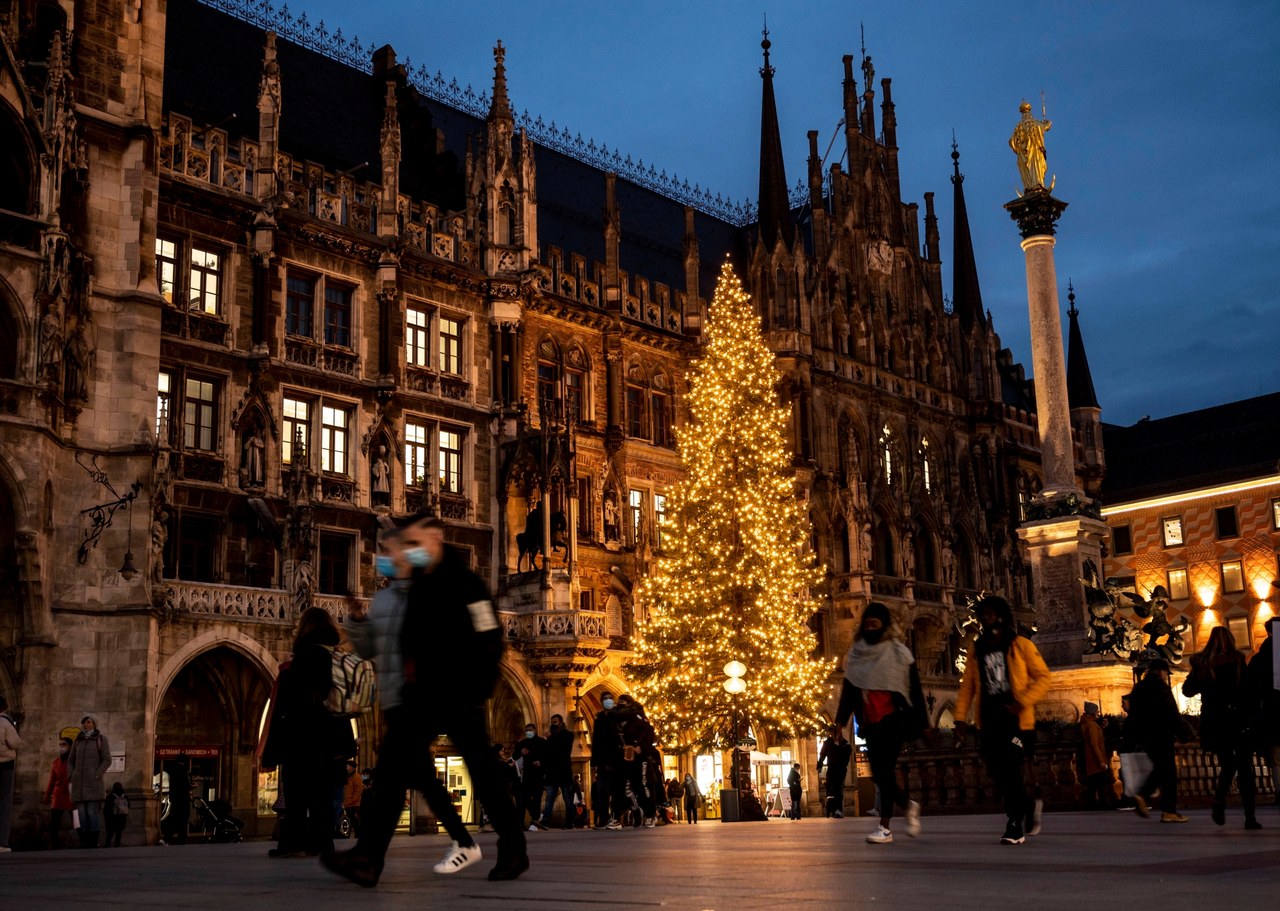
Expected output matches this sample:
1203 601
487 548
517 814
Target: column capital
1036 212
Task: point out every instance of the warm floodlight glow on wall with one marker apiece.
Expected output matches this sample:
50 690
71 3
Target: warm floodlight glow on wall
1206 594
1261 587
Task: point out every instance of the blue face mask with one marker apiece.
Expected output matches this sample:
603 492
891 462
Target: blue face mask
608 703
418 557
385 566
528 735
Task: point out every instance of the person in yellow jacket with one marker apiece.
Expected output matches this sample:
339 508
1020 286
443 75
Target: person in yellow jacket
1003 680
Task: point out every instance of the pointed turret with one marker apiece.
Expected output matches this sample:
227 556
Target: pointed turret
775 211
268 121
1086 413
501 104
1080 392
966 296
504 183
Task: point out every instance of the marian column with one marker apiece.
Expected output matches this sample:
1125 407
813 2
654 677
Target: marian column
1062 529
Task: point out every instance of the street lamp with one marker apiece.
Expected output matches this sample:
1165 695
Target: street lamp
734 685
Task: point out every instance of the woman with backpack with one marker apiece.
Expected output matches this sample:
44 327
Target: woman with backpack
1218 676
308 742
89 760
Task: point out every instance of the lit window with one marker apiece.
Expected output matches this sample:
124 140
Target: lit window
1232 577
1240 630
333 439
415 454
205 268
924 465
886 446
450 461
337 315
1179 590
636 503
197 421
300 294
1275 514
417 341
450 345
1171 528
166 267
164 404
297 430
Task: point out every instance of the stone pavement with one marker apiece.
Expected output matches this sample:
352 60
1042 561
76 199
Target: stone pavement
1082 862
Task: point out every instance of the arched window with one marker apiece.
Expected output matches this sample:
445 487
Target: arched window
926 465
504 232
635 402
660 417
885 563
577 371
549 403
925 556
782 298
840 547
886 453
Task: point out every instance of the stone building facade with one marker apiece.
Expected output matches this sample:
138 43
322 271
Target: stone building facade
248 316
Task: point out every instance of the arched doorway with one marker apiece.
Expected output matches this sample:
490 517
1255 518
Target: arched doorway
212 711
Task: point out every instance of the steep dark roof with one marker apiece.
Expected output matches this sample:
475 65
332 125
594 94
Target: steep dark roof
1218 445
775 209
966 295
1080 392
332 114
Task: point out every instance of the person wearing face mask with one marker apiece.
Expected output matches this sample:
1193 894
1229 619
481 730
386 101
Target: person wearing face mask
882 691
528 753
450 645
57 793
557 771
1003 681
606 764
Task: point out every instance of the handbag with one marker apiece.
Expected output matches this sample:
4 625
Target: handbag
1135 768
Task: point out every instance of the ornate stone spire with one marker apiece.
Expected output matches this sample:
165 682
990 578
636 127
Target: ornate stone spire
501 104
966 295
1080 392
775 211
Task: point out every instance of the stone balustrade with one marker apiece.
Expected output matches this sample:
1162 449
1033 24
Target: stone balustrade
229 602
555 624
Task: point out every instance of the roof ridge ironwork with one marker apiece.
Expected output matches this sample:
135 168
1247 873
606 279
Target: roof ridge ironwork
350 52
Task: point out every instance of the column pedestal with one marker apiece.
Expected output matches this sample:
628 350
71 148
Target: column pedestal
1056 550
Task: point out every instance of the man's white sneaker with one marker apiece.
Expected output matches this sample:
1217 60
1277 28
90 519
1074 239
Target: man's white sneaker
458 858
614 825
913 818
881 836
650 822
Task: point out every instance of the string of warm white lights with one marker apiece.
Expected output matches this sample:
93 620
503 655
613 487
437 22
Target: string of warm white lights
736 577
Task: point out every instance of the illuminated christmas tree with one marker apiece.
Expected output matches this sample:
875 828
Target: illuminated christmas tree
734 580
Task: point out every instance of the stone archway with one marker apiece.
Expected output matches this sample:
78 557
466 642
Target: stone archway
211 708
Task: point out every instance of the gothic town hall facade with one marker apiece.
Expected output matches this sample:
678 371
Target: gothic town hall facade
237 339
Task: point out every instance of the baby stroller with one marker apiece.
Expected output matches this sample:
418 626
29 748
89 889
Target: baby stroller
215 820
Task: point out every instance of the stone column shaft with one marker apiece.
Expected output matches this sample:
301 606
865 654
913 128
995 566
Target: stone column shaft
1053 412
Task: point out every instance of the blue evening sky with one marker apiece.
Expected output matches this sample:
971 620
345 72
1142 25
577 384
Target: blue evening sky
1165 141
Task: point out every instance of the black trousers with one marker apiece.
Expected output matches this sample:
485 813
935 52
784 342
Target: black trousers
1099 790
690 809
1164 775
796 795
631 775
884 743
1237 760
1004 750
835 789
308 783
405 762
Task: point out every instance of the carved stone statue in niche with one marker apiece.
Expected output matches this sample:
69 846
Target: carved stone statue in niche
948 564
253 472
864 542
611 515
908 555
50 346
381 478
159 534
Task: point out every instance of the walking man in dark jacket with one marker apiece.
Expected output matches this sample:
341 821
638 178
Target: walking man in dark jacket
528 753
451 644
1154 724
606 765
836 754
557 771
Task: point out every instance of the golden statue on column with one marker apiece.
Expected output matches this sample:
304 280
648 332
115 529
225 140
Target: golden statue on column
1027 143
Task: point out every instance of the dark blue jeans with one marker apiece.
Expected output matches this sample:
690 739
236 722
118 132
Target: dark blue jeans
564 788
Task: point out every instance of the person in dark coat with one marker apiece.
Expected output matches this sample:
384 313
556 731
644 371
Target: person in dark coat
882 690
639 755
1261 674
309 742
606 765
557 771
89 760
1226 718
528 753
173 828
836 754
1153 726
795 784
451 645
115 815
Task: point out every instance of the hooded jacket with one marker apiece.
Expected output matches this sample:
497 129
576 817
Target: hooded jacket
88 761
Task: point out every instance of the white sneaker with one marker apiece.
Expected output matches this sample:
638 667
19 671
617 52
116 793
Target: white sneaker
881 836
650 822
913 818
5 849
533 828
613 825
458 858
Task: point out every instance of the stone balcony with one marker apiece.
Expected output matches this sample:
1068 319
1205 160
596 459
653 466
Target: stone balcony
200 600
561 647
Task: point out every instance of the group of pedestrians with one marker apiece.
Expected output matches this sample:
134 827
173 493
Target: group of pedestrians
626 766
544 767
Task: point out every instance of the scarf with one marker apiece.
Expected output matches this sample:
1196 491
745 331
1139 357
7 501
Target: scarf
885 665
